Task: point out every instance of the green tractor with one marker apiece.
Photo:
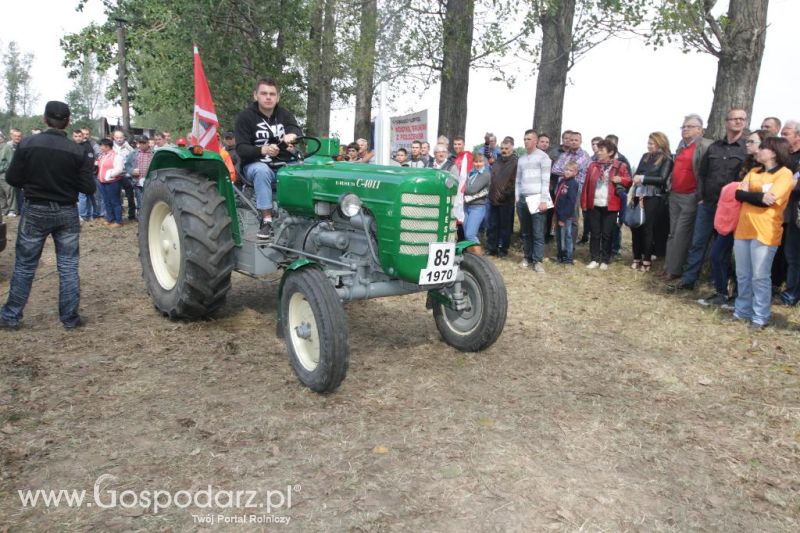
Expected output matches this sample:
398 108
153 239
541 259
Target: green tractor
342 232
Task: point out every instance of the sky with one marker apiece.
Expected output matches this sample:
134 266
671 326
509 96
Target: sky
650 90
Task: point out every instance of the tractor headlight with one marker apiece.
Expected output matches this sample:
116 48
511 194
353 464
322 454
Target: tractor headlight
350 205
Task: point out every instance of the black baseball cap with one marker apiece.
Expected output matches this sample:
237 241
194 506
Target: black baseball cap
56 110
142 139
229 135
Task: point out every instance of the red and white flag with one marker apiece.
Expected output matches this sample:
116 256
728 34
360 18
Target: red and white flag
205 123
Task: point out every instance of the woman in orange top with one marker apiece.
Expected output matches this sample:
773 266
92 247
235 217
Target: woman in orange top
764 193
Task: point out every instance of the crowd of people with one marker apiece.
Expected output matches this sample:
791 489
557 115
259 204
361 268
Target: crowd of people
731 202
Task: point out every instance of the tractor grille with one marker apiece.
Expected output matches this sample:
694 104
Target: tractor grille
413 249
420 219
419 225
421 199
418 237
413 211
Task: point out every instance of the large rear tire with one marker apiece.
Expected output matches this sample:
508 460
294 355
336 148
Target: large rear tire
315 329
478 327
185 244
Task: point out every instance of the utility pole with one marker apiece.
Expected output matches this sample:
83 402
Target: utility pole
123 74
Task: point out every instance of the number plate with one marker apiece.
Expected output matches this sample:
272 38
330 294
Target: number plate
441 264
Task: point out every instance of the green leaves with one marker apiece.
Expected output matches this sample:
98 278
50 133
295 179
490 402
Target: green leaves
19 97
239 41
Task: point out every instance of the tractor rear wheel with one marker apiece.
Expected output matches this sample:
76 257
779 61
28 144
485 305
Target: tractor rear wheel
477 327
315 329
185 244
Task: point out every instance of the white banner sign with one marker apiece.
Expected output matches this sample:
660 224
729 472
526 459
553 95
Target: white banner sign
406 129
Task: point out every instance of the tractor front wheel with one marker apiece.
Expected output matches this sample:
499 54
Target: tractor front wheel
479 325
315 329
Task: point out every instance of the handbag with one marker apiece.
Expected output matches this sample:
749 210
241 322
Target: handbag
634 214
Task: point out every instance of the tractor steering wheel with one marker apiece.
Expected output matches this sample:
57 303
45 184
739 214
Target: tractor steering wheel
303 147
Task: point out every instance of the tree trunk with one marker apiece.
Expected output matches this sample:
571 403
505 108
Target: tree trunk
739 63
326 79
456 57
365 68
320 77
314 67
551 81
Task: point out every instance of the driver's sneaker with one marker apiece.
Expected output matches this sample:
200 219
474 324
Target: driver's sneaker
593 264
265 230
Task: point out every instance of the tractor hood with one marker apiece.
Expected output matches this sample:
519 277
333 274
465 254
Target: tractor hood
411 206
301 186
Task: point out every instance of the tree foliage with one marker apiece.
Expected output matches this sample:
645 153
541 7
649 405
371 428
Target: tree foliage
413 45
594 22
736 37
88 93
18 93
239 41
570 30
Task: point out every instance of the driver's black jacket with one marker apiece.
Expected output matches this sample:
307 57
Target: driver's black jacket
254 129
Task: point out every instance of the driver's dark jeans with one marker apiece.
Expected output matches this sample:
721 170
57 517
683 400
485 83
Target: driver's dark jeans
261 177
37 222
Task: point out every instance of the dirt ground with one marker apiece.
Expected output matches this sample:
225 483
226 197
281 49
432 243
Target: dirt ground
606 405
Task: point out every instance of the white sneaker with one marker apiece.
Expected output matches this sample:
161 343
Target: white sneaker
593 264
524 263
11 214
538 267
603 266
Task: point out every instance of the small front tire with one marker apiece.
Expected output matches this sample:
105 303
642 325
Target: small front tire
478 327
315 329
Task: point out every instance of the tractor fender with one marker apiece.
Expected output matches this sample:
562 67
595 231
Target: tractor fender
208 164
303 262
463 245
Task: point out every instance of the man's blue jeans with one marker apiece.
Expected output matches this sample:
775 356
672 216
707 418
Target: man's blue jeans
499 225
88 207
754 277
721 262
39 221
703 231
261 177
473 218
531 230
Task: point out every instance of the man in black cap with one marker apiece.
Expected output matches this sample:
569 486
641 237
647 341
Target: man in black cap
52 170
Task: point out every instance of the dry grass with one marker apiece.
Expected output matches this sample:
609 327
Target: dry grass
607 404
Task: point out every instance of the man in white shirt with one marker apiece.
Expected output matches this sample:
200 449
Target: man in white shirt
533 199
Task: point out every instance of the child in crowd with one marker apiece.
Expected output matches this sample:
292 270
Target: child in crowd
565 202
